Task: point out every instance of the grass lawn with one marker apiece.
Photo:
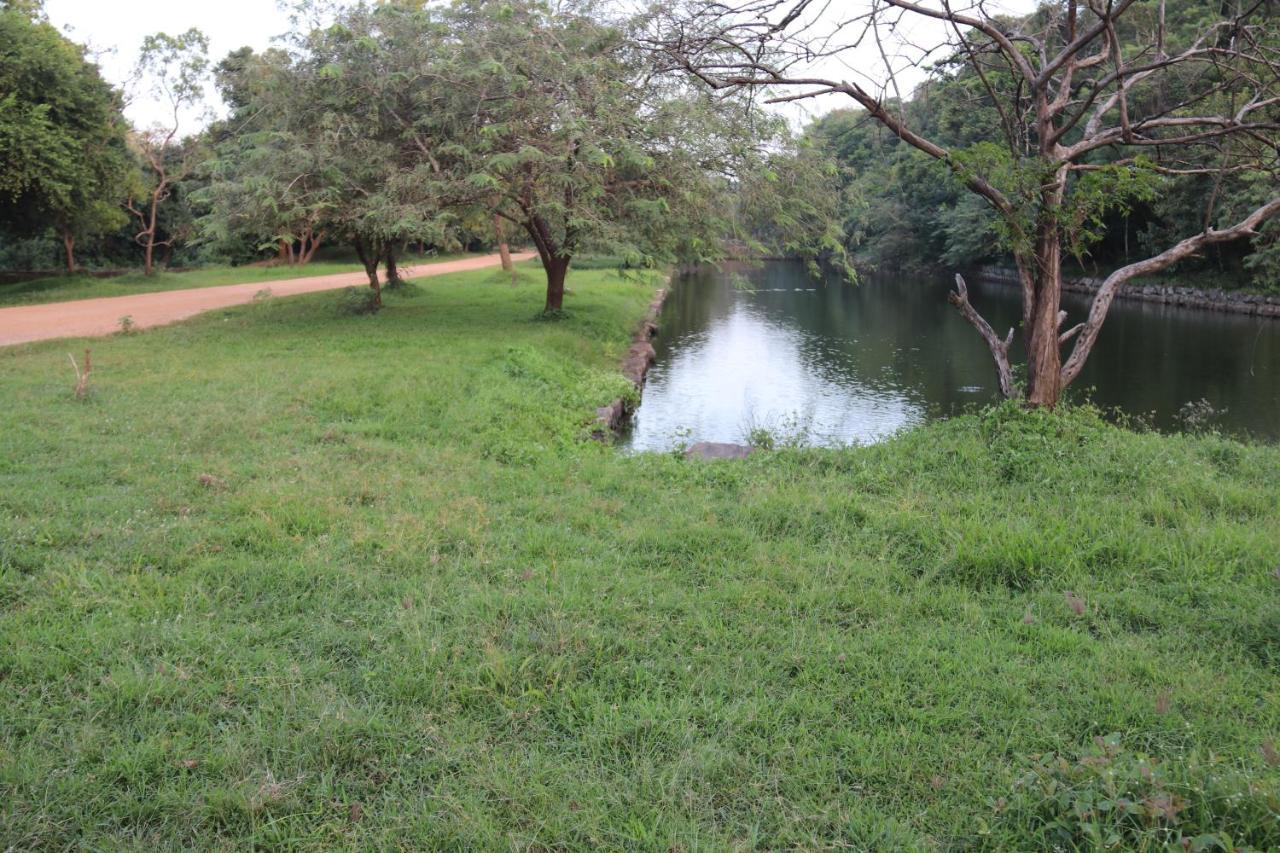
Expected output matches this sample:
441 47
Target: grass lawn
64 288
296 578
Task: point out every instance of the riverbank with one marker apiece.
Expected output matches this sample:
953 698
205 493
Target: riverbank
1215 299
296 577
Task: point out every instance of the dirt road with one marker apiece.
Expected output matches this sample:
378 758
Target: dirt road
97 317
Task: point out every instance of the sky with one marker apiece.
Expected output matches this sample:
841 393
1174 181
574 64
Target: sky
114 29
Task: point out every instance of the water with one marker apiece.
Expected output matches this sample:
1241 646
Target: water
822 362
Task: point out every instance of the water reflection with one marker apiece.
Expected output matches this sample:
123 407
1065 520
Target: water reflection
832 364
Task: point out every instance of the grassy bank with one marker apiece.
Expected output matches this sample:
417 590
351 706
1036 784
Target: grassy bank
64 288
299 578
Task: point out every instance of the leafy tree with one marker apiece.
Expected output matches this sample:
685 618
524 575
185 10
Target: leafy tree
269 184
328 137
566 132
173 70
790 204
62 136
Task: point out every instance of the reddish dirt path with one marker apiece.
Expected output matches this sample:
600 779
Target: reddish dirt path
85 318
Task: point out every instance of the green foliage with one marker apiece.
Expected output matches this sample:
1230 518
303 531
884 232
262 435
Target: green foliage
62 136
790 204
1110 797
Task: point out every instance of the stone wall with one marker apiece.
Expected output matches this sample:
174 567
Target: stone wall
1231 301
635 366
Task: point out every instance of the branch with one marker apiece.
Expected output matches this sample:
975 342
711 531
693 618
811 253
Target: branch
999 348
1106 294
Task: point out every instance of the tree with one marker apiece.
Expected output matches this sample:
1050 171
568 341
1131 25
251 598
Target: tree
62 136
561 127
1094 102
788 205
171 69
332 139
270 184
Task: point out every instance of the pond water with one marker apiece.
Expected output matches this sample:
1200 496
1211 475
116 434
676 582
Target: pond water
823 362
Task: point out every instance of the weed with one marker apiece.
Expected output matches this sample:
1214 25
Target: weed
1109 797
82 376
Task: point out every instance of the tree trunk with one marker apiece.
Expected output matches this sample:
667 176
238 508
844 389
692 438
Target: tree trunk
1044 352
69 249
282 252
310 244
393 272
555 262
557 269
150 233
370 258
504 250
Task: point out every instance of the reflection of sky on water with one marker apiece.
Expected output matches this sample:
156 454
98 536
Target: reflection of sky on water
840 364
748 369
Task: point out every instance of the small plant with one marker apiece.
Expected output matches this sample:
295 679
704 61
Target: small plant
127 326
1197 416
263 295
82 376
761 438
682 440
356 300
791 431
1110 798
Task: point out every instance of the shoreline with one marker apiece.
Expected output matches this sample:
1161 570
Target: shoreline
635 367
1225 301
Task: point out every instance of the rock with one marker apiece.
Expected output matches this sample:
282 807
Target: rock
611 415
638 361
718 450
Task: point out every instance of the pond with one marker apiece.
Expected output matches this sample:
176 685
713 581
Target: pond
826 363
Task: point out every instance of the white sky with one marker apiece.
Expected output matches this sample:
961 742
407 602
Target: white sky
114 29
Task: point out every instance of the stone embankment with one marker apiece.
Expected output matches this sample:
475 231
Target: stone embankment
635 366
1230 301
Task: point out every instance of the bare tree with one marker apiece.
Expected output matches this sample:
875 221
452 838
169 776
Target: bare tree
172 70
1094 98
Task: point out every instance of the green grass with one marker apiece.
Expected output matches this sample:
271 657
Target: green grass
297 578
64 288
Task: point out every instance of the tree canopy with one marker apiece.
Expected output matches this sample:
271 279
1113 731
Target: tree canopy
62 135
398 123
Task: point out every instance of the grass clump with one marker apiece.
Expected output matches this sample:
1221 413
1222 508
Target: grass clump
1113 798
297 578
